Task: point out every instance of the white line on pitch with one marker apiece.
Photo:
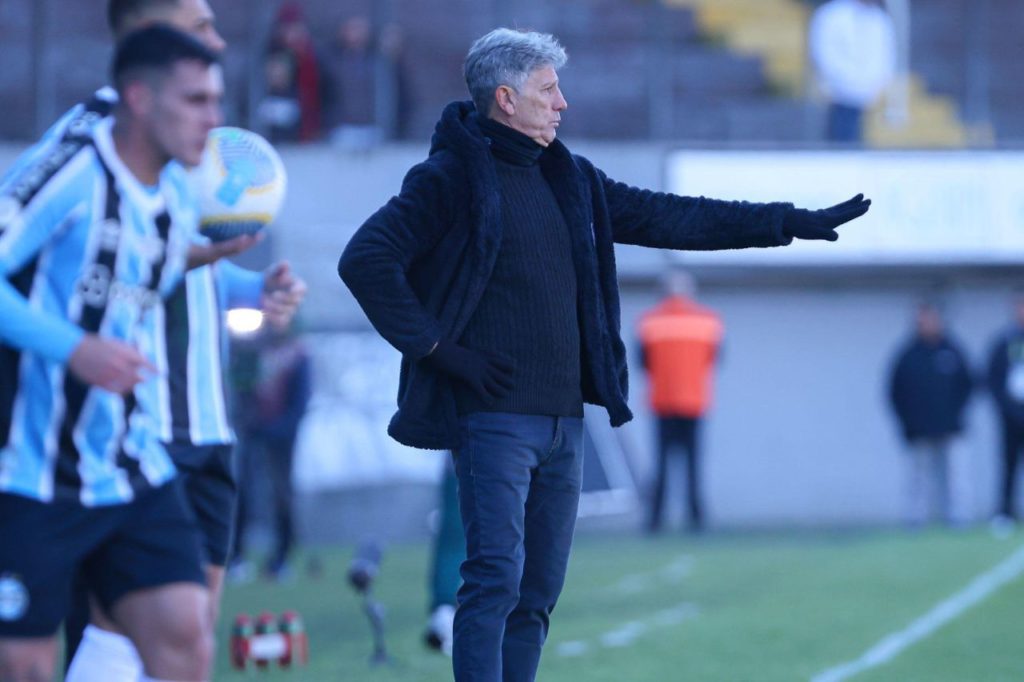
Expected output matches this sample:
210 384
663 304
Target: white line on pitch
672 574
892 645
626 634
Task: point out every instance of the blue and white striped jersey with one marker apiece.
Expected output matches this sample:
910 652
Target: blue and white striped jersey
84 248
196 409
192 406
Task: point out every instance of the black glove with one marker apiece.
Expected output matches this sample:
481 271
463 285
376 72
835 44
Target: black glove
490 376
804 224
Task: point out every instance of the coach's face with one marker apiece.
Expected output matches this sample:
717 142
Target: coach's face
186 106
536 109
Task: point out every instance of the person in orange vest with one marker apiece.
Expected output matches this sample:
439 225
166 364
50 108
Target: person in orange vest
679 341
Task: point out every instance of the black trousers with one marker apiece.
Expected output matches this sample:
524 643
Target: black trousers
677 433
1013 441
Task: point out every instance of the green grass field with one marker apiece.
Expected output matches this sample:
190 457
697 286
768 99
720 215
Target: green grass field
731 607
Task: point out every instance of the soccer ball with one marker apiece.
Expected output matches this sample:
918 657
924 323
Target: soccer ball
240 182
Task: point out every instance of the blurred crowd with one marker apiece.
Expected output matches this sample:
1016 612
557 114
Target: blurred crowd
352 93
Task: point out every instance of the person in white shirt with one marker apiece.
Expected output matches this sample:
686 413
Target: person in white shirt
853 49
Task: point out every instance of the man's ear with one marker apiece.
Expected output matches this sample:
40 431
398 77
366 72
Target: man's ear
503 98
139 97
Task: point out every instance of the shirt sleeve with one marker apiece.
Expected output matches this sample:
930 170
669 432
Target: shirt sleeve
45 197
27 328
244 288
34 209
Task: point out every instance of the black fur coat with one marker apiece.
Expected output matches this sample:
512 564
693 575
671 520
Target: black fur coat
419 265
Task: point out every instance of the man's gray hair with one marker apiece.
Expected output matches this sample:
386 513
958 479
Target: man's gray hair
507 57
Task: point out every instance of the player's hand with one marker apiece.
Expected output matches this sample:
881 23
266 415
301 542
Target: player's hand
804 224
109 364
205 254
283 291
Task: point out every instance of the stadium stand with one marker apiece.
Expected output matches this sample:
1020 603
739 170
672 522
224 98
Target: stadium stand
736 70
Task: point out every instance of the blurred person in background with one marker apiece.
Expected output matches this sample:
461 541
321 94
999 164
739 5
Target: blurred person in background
394 100
296 87
493 273
280 394
679 342
278 115
929 384
448 553
355 68
1006 383
853 50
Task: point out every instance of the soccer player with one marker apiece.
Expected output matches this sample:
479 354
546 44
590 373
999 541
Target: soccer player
90 245
194 415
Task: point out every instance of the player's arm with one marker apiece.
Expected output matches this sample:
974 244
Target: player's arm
277 291
27 328
24 233
107 363
242 287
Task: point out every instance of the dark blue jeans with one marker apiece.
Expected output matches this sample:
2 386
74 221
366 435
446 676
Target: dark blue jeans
519 489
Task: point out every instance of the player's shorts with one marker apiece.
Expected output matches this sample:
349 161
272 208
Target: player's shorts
118 549
208 475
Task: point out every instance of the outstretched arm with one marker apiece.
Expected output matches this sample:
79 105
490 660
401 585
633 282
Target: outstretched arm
663 220
668 221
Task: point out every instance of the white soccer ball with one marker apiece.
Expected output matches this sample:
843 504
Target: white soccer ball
240 182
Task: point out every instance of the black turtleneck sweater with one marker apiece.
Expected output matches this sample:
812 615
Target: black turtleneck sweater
528 310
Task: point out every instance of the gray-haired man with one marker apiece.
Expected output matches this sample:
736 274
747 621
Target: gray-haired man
493 273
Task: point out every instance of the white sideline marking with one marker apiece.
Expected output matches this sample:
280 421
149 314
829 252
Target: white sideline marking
673 573
675 615
892 645
629 632
572 649
623 636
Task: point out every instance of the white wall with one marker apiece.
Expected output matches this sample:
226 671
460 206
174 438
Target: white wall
801 432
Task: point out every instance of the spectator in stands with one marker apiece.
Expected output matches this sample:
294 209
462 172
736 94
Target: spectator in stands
395 105
356 68
280 395
493 273
296 88
1006 382
853 49
929 385
679 342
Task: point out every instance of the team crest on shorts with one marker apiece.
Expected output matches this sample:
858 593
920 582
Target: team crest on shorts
13 597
